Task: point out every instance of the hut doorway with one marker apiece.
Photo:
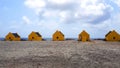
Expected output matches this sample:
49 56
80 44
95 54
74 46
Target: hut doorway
32 37
57 37
114 38
10 38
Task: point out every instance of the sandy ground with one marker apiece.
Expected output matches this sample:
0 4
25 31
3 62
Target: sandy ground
59 54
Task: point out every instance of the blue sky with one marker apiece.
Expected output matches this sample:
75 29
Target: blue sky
97 17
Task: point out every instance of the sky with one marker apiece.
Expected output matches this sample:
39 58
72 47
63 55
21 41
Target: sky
97 17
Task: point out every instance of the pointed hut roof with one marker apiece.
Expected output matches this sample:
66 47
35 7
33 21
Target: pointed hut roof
83 32
38 34
59 32
110 32
15 34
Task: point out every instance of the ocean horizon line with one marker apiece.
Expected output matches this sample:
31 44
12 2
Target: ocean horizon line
48 39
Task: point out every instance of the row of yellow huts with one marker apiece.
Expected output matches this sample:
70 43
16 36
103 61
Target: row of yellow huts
59 36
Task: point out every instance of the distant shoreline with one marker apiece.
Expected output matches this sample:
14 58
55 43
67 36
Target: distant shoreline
50 39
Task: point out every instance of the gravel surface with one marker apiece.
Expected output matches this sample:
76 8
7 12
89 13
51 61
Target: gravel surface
59 54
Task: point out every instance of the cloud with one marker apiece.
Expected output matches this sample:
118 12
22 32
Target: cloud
35 3
117 2
59 2
115 22
70 11
101 18
26 20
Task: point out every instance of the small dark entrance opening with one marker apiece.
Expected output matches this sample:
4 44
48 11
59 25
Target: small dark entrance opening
32 37
10 38
113 37
57 37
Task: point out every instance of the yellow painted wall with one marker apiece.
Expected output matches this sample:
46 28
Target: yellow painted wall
58 36
113 36
11 37
34 37
83 36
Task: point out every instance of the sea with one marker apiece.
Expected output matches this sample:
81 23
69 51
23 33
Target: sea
44 39
49 39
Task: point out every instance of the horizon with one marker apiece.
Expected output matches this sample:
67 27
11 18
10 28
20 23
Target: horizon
97 17
50 39
67 37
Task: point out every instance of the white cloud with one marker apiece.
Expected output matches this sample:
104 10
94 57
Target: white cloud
35 3
90 11
86 14
49 14
115 22
60 1
93 8
117 2
26 20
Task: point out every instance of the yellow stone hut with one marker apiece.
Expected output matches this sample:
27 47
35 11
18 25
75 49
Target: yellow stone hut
12 37
34 36
58 36
83 36
112 36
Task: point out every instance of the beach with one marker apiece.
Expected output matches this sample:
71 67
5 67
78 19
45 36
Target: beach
59 54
